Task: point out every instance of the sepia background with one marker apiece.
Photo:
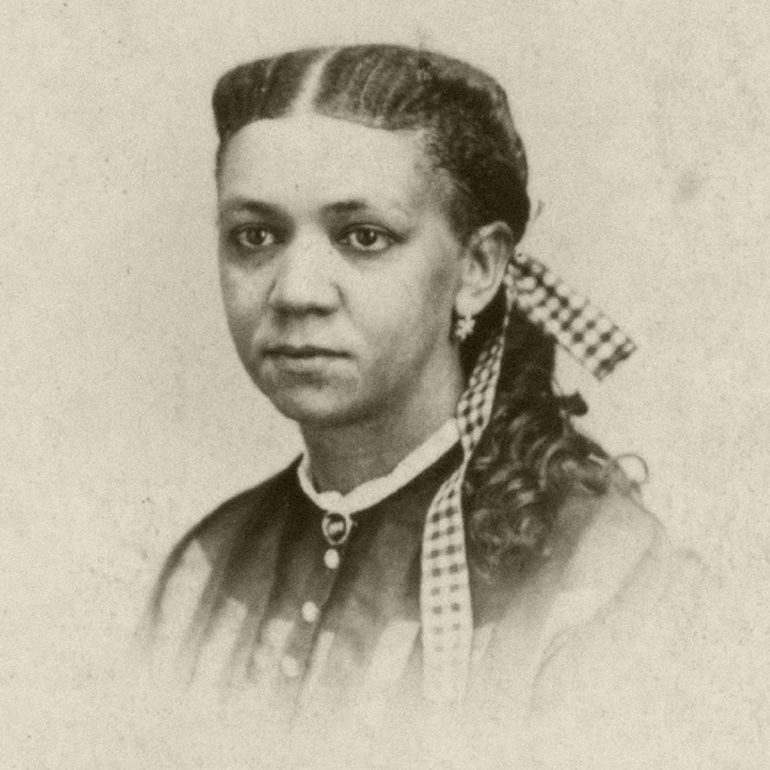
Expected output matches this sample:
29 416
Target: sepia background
124 413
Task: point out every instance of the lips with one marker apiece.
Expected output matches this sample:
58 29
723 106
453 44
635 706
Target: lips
303 361
301 352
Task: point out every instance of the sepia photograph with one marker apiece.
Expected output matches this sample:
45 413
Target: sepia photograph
385 385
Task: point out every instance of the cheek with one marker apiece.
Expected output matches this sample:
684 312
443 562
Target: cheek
412 311
431 292
241 303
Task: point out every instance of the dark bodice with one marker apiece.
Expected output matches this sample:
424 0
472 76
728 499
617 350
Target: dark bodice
297 619
250 606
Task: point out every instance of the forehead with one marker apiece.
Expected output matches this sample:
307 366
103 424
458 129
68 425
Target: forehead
307 157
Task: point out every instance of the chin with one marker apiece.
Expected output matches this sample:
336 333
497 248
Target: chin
317 409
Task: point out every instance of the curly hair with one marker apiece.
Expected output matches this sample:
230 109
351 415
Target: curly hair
530 456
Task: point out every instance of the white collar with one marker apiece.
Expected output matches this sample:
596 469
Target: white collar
372 492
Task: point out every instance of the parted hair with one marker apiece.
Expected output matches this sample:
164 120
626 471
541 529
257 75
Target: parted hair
531 456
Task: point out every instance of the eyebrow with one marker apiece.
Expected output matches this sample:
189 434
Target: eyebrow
359 204
238 204
346 207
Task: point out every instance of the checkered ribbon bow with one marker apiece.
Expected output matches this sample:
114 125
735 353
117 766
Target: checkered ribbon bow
445 599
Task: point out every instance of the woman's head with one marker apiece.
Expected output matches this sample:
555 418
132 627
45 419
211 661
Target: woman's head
425 148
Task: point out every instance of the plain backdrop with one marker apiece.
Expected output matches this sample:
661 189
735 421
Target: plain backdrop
124 413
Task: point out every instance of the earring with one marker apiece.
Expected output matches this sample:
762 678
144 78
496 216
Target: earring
464 327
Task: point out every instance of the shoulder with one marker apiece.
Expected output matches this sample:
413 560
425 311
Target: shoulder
613 624
204 555
253 506
614 559
630 635
603 541
610 565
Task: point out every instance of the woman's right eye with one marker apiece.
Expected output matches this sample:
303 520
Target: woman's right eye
253 237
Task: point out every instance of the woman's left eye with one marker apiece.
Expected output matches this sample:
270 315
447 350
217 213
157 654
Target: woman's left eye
367 239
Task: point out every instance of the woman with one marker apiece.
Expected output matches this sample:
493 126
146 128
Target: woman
448 536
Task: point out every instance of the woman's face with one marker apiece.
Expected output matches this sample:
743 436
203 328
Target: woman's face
339 267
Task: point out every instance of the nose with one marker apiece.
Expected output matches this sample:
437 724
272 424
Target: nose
304 280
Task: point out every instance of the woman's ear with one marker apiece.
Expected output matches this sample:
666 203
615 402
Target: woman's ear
484 259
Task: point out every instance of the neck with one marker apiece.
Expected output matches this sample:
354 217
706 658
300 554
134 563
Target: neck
344 456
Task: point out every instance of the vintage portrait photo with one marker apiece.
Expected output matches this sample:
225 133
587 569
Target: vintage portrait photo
385 386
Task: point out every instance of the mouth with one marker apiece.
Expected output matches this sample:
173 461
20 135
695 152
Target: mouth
303 360
302 352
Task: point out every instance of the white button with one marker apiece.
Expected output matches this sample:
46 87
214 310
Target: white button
290 667
332 558
310 612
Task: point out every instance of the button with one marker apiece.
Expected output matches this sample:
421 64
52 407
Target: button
310 612
290 667
332 558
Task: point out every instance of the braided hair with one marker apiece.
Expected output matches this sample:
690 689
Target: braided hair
531 456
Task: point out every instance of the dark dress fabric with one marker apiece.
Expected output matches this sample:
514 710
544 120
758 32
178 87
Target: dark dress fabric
592 659
267 553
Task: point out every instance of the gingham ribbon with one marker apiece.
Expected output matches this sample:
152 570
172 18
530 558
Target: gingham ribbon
582 330
445 598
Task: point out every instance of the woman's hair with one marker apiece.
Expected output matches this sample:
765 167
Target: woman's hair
530 456
462 111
